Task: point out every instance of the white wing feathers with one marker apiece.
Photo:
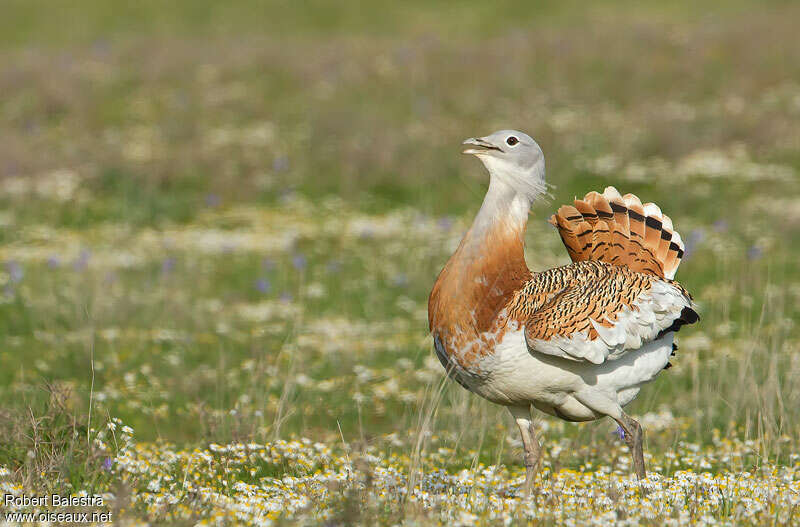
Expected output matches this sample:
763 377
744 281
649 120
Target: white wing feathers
654 312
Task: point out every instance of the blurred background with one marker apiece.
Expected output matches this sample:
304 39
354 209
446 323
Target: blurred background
220 221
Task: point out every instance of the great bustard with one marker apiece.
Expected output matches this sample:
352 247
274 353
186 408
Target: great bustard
577 341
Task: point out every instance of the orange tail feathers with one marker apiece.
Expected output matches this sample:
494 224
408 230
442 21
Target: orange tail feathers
620 230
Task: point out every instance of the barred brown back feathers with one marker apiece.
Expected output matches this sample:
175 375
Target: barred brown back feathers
620 230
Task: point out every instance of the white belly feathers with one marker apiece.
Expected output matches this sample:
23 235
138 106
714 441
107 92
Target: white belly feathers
519 376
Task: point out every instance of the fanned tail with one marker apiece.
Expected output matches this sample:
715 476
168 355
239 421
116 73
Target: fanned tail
620 230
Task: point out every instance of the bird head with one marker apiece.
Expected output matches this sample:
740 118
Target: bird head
514 158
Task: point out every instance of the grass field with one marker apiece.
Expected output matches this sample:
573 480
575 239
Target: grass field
219 224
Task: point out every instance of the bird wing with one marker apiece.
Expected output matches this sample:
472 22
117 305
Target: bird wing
605 311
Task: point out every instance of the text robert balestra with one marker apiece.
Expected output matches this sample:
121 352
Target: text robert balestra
52 500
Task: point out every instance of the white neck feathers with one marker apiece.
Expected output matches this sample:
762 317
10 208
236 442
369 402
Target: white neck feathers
527 181
503 208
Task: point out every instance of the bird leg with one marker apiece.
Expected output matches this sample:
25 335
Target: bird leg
533 450
633 437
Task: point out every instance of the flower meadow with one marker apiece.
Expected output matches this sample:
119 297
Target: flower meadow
217 242
312 482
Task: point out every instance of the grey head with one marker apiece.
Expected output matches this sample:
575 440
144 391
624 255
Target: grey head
512 157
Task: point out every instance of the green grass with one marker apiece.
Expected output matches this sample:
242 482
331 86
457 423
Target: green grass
220 222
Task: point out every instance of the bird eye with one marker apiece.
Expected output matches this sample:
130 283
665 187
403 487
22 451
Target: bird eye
512 141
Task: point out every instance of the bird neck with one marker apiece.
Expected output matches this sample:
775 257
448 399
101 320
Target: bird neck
489 264
525 184
502 217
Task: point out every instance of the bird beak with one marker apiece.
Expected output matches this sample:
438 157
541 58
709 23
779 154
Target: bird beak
480 145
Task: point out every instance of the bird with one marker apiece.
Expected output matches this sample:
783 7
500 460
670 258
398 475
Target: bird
578 341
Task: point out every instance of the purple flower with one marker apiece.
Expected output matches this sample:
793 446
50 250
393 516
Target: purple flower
620 432
53 262
334 266
82 261
15 272
213 200
107 464
280 164
445 223
755 252
400 280
263 286
721 225
101 46
299 261
695 238
167 265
